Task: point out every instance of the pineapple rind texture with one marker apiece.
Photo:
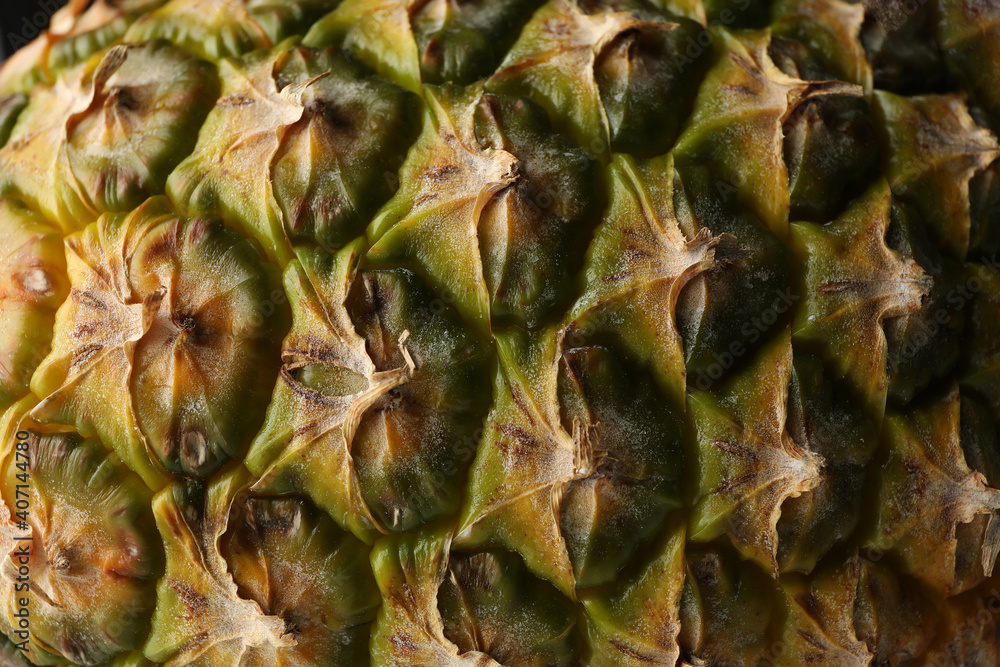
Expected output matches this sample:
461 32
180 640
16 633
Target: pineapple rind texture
501 332
97 562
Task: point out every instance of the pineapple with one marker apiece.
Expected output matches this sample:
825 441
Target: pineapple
506 332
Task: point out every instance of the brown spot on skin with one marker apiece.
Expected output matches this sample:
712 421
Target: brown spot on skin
197 230
83 354
321 209
235 100
733 448
920 483
519 434
84 330
336 117
123 99
524 444
432 54
299 215
733 483
172 523
316 351
622 648
76 650
479 572
440 173
839 286
195 641
633 253
706 569
807 636
100 184
328 207
88 299
621 275
522 406
165 246
308 427
195 603
740 90
374 290
403 644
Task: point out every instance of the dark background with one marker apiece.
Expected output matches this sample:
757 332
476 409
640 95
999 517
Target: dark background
23 20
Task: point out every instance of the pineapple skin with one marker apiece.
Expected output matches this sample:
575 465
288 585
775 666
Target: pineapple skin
501 332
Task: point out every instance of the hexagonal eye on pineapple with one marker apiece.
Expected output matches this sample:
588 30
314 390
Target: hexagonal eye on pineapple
257 580
107 133
579 463
79 523
167 346
377 408
302 147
